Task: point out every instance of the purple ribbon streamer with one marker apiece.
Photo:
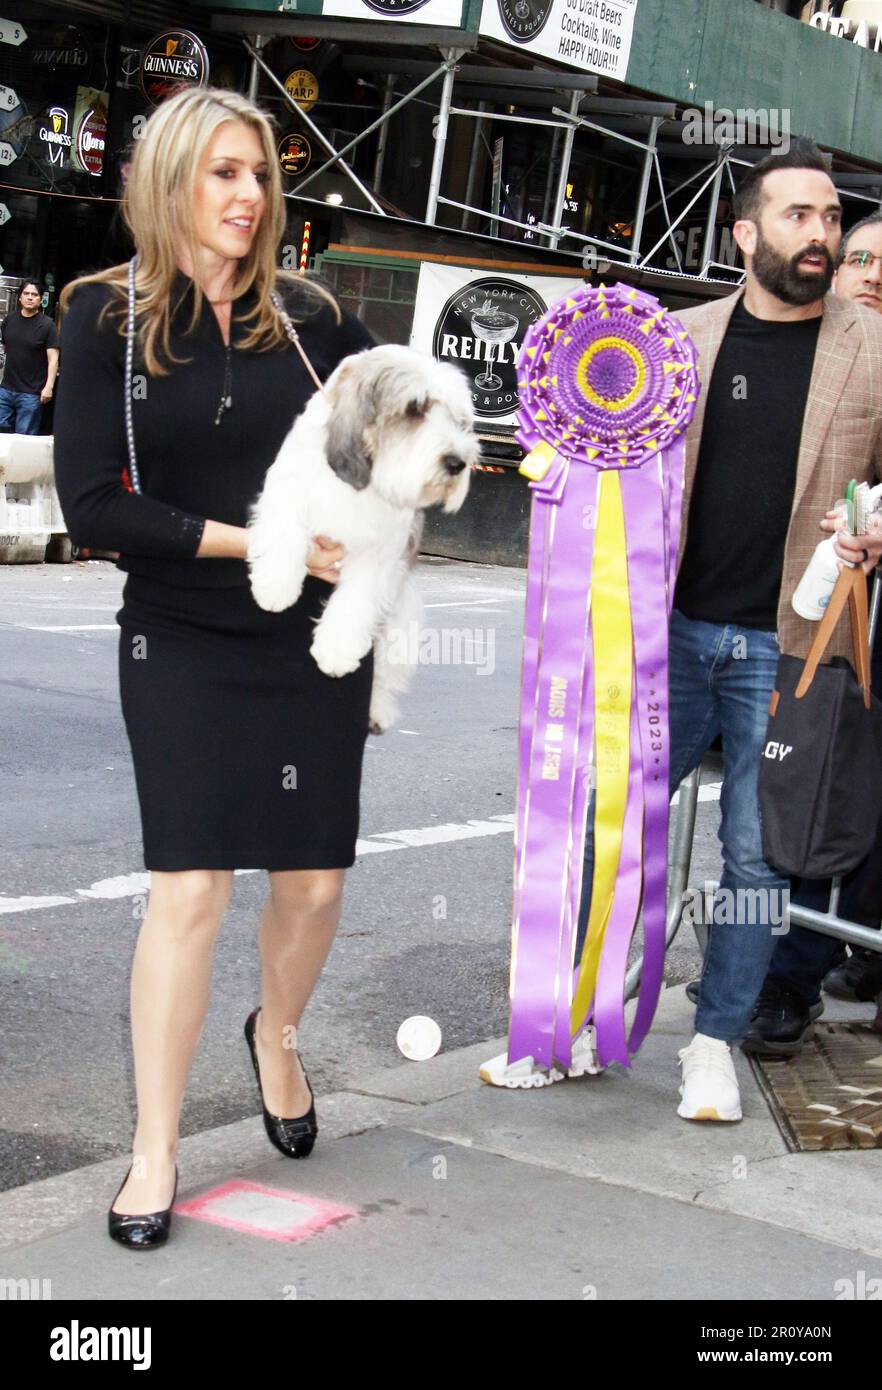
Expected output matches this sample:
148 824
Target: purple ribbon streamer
544 941
644 502
609 1001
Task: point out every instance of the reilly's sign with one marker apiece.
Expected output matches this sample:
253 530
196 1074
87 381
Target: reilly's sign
174 59
477 323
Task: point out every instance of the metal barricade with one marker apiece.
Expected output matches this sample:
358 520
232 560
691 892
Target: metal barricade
828 923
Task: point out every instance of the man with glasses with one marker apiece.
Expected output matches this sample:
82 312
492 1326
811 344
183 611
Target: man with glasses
30 342
790 999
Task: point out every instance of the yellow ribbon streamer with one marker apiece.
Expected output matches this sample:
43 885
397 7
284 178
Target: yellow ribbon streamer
613 666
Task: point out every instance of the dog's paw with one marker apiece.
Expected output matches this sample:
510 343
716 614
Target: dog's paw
384 712
273 592
334 655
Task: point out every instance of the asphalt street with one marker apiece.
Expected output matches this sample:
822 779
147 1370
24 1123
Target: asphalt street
427 910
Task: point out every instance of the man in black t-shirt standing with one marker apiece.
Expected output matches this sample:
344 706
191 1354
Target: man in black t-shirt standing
790 410
30 342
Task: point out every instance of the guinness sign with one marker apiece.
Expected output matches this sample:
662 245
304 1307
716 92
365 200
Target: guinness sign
174 59
55 134
480 330
60 57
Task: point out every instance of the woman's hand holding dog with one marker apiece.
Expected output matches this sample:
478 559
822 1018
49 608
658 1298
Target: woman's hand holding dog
324 559
220 540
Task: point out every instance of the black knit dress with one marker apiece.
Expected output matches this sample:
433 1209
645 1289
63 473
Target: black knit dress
246 756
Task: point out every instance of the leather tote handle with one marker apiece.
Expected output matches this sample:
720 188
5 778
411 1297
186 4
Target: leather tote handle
860 634
851 588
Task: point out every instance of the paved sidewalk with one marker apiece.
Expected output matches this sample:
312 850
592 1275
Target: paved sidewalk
426 1184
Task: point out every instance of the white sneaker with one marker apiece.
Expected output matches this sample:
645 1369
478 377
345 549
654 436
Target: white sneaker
710 1086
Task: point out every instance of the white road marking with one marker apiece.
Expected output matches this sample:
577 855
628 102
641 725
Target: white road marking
27 904
71 627
467 603
123 886
444 834
129 885
708 791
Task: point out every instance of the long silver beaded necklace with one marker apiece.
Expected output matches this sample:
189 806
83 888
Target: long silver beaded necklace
226 400
134 476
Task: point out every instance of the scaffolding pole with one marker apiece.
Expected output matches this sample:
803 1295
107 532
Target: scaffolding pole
380 158
710 226
566 155
473 162
451 58
643 192
692 201
368 130
254 74
319 135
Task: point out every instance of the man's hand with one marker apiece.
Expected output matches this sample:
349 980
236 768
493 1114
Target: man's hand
324 559
863 550
46 395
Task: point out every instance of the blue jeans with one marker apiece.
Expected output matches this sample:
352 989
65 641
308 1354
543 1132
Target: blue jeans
721 680
19 412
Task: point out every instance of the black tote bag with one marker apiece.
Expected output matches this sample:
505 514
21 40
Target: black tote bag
820 781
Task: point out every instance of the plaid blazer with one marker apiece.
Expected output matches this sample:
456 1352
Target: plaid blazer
841 436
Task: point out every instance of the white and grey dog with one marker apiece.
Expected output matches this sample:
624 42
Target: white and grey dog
391 433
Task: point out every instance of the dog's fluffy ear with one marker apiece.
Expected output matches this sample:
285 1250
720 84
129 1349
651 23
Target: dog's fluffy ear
352 408
417 407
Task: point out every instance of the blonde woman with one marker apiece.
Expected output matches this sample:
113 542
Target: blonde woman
245 755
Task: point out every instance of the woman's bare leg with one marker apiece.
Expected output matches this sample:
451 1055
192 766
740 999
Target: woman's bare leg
297 930
171 977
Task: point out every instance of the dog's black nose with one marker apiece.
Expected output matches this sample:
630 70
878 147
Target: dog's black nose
453 463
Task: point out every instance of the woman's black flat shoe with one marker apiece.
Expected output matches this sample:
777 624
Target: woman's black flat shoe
293 1138
141 1232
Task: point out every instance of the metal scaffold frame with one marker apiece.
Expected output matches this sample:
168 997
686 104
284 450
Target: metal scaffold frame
634 123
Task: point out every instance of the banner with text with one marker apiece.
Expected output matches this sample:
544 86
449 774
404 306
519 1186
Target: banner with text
594 35
477 321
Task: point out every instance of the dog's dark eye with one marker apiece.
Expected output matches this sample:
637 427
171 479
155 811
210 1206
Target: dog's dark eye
415 410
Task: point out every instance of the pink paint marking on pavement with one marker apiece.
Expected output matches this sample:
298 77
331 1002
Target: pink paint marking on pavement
269 1212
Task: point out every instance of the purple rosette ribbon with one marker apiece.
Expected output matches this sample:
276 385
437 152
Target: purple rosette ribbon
607 383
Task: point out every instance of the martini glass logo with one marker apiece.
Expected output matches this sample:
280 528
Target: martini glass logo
524 19
494 327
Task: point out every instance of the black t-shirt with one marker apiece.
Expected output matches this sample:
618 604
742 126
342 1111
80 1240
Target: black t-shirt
742 496
26 341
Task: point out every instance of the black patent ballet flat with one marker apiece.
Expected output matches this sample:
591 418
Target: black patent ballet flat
294 1138
141 1232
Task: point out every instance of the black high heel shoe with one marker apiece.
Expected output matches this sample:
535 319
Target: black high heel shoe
141 1232
294 1138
